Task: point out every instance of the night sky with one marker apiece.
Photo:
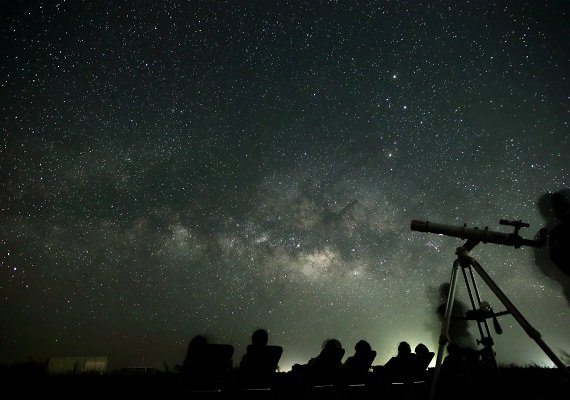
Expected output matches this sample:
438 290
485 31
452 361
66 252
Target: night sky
173 168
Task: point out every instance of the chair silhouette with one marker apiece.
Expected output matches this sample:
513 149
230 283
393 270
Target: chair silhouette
418 387
256 377
381 386
415 385
322 378
356 375
209 373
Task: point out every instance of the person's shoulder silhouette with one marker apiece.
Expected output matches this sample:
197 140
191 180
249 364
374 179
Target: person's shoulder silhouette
260 337
559 238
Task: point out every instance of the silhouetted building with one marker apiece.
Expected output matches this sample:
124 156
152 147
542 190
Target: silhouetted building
77 365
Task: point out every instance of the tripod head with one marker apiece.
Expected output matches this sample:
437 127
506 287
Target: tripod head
482 235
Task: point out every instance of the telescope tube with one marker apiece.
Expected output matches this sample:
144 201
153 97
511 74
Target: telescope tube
480 235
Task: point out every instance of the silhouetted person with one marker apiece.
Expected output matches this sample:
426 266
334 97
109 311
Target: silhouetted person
559 238
194 354
422 361
258 365
206 366
325 365
355 368
259 338
400 368
423 353
550 257
456 377
458 324
324 355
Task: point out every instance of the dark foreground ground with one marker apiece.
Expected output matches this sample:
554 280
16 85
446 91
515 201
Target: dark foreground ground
513 383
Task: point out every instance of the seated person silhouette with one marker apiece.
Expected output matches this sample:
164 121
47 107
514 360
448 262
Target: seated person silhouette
355 368
194 355
259 339
559 238
259 364
422 360
206 366
455 374
400 367
324 367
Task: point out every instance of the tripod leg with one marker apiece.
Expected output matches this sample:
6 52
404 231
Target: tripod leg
487 353
533 333
444 335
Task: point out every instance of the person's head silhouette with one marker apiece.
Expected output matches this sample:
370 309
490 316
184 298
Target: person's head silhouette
197 342
333 344
421 349
444 289
260 337
404 348
362 346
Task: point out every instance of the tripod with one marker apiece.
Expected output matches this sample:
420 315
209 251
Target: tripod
481 312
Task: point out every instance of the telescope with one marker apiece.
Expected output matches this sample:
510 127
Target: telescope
482 235
481 309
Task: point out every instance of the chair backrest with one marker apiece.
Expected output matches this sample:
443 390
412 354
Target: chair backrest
422 364
365 362
425 360
209 369
260 366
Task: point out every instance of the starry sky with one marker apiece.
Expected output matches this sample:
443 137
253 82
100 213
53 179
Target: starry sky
172 168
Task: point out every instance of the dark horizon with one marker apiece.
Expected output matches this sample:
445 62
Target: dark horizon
513 382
